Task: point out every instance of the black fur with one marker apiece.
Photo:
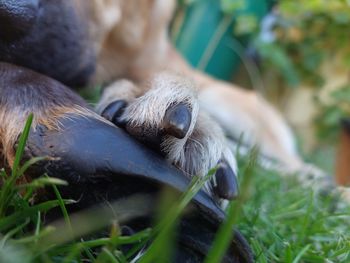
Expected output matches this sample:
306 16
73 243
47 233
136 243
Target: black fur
49 37
100 161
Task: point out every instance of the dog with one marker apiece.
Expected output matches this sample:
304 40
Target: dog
106 169
149 89
100 161
145 50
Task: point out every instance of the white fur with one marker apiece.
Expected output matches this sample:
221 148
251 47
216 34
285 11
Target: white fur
165 90
204 144
120 90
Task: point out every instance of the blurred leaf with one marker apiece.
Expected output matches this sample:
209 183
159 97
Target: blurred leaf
313 59
16 217
186 2
245 24
43 181
342 94
14 254
225 232
332 116
278 58
232 6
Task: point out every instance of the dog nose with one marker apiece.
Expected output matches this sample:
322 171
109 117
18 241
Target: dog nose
17 17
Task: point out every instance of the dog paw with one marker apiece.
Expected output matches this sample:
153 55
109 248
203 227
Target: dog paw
206 148
167 118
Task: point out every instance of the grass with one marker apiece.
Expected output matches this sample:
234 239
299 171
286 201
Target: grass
282 221
287 223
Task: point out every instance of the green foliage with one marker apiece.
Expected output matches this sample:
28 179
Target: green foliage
232 6
328 119
224 235
164 230
275 58
245 22
289 223
24 237
309 33
8 190
91 94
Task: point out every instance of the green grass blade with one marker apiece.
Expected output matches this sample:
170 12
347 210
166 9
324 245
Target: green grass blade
73 254
29 163
17 217
12 232
225 232
301 253
89 254
7 189
63 208
33 239
21 145
167 224
106 257
37 226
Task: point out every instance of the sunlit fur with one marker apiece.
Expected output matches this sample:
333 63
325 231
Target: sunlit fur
137 47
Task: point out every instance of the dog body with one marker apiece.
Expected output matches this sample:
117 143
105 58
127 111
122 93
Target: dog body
124 46
139 38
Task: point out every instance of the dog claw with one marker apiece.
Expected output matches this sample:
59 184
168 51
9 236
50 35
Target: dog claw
177 120
113 112
226 186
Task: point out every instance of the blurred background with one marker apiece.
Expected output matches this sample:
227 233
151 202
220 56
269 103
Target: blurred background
295 53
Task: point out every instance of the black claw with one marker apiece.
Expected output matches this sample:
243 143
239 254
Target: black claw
177 120
226 182
113 112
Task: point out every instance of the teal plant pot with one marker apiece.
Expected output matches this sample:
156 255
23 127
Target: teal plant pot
200 25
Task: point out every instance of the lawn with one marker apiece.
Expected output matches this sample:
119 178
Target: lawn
282 221
285 222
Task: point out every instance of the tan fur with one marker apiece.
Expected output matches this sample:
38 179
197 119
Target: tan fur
201 148
131 42
13 119
130 38
23 92
137 47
